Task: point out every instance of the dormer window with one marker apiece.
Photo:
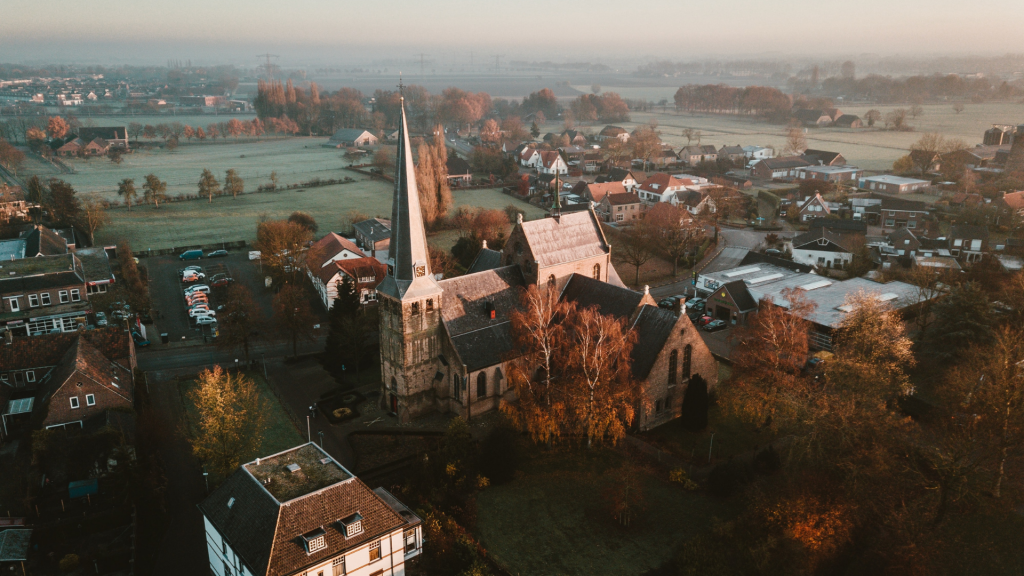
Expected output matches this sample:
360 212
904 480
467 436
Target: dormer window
352 525
315 541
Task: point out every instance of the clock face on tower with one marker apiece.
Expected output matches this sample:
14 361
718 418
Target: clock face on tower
421 271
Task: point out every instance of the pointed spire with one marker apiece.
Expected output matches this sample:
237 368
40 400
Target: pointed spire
408 258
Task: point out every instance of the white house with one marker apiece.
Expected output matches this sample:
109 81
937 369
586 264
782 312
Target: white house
755 153
826 248
551 162
529 157
661 187
300 512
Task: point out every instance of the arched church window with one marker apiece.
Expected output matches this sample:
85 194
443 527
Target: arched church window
551 282
673 363
481 385
597 271
687 353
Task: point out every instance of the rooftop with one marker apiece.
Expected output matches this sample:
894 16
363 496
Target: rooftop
890 179
830 169
40 265
297 472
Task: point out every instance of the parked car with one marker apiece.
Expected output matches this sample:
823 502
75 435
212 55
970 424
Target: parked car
704 320
217 254
101 318
187 268
197 288
716 325
194 312
139 340
190 277
205 320
773 252
197 297
221 282
191 255
696 303
667 303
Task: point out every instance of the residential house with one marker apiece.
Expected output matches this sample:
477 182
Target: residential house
551 162
889 184
373 237
782 168
926 161
72 147
44 294
999 134
595 192
624 208
459 171
848 121
809 117
97 147
968 243
977 157
889 212
529 157
664 157
755 153
366 274
576 138
610 131
114 136
330 248
695 202
1008 205
734 154
300 512
814 207
732 180
825 248
825 158
904 241
13 205
661 187
630 179
351 138
838 174
85 384
694 155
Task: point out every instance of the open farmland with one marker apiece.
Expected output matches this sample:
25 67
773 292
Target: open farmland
294 159
873 149
227 219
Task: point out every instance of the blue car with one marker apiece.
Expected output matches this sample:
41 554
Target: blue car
139 340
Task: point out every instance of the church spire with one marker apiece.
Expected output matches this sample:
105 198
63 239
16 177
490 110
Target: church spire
408 259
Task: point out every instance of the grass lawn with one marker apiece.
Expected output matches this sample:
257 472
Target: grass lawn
280 434
731 437
228 219
552 519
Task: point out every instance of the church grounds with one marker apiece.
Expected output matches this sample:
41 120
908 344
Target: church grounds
553 518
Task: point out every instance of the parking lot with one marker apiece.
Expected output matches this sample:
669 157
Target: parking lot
166 290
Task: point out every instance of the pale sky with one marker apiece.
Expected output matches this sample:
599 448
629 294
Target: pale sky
340 30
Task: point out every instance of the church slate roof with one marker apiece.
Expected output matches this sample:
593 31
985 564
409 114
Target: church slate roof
486 347
569 238
487 259
653 326
466 297
609 299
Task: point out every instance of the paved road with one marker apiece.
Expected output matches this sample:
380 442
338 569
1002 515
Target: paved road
156 359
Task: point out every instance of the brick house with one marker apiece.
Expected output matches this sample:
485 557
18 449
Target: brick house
613 132
43 294
889 212
374 237
889 184
300 512
782 168
829 173
622 207
365 272
968 243
113 136
694 155
825 158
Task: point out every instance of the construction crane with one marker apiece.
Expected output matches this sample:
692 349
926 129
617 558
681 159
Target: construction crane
269 67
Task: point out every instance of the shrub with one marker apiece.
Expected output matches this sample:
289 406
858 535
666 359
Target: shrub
69 563
679 476
342 412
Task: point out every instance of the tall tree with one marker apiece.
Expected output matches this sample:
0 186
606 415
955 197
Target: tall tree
645 143
208 185
241 320
233 183
154 190
231 416
293 315
62 203
962 318
57 127
126 190
796 142
676 232
94 216
346 341
638 246
134 130
281 244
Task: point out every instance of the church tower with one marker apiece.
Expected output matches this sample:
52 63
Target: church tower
410 299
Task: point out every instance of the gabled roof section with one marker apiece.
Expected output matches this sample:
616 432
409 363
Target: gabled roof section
824 156
41 241
609 299
86 360
486 259
376 229
464 307
568 238
737 290
653 326
409 274
968 231
623 198
328 247
847 242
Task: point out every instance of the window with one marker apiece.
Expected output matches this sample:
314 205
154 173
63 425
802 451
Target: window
687 355
892 213
46 298
410 540
551 282
430 304
316 544
375 551
618 217
96 289
890 222
456 389
597 271
224 547
90 399
76 295
912 224
394 384
673 363
481 385
338 565
30 376
657 407
415 308
14 304
63 296
913 214
668 402
33 300
74 402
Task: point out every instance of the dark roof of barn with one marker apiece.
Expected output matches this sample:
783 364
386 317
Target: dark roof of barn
737 289
610 300
104 132
838 224
653 326
824 156
457 166
968 231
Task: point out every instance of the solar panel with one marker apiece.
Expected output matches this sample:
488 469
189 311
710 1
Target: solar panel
765 278
742 271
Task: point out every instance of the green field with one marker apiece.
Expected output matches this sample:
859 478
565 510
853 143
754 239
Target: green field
869 148
227 219
294 159
553 519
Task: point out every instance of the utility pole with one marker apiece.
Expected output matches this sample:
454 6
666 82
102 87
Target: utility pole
269 66
423 63
497 63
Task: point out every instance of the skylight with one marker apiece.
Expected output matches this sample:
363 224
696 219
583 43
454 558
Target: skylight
815 285
742 271
765 278
845 308
887 297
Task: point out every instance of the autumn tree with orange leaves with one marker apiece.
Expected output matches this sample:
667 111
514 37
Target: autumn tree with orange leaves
571 373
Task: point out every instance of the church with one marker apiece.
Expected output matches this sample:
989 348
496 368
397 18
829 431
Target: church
444 343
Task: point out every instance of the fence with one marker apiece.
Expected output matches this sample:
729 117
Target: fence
237 245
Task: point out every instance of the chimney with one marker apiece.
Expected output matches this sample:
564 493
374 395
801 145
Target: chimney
647 290
519 218
8 337
484 245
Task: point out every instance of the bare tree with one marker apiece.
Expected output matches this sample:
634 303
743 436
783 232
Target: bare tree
638 241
